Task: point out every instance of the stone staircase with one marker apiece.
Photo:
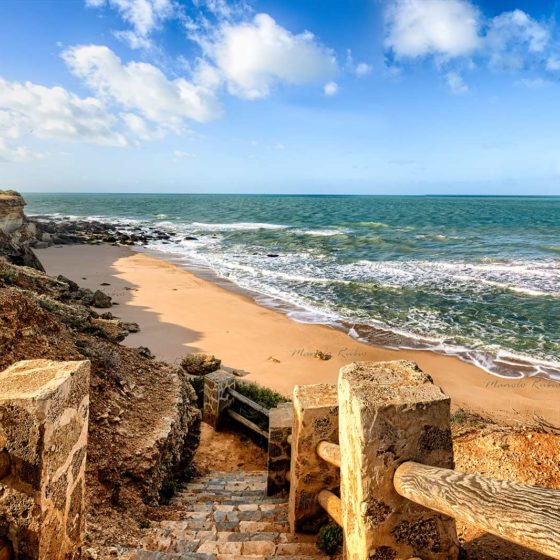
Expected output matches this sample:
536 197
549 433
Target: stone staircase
226 516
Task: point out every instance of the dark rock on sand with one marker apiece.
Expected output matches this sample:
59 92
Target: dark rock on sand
200 363
101 299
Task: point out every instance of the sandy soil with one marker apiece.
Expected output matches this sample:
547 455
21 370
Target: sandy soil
179 312
227 450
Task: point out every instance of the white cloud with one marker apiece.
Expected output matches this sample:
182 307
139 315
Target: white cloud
455 35
143 15
252 57
140 129
16 153
513 38
553 64
456 83
535 83
362 69
182 154
446 28
141 87
31 110
330 89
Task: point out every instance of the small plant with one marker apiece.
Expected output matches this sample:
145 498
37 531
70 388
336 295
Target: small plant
261 395
462 417
330 539
458 417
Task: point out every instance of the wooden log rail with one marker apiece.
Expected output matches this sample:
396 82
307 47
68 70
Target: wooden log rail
245 422
523 514
329 452
332 505
248 402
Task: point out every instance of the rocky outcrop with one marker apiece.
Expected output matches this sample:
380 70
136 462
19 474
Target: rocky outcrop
144 422
13 221
16 231
200 363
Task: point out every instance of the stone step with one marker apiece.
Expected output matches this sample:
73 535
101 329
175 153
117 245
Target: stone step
226 516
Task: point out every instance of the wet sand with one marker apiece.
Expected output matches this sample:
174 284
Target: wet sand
179 312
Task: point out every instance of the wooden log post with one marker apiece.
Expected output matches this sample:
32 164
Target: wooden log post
315 419
391 412
216 397
526 515
279 449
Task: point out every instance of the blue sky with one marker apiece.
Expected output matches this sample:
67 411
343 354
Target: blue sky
322 96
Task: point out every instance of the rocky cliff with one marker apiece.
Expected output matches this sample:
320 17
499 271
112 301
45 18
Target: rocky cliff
16 231
144 421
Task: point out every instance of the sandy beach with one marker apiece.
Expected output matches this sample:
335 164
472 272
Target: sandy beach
179 312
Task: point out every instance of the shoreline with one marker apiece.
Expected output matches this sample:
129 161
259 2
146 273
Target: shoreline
179 312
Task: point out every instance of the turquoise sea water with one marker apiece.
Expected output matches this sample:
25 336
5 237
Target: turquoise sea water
478 277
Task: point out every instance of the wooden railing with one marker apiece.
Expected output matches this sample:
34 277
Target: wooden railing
330 502
245 421
523 514
388 413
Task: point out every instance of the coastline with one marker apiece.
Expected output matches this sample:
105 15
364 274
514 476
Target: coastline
180 312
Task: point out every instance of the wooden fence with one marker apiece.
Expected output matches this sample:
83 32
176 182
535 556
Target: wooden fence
375 453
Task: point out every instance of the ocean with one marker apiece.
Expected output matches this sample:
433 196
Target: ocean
475 277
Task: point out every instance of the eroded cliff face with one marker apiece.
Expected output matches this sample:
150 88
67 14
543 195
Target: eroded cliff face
144 423
16 231
12 218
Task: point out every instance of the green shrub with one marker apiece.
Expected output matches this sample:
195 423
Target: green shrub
330 539
261 395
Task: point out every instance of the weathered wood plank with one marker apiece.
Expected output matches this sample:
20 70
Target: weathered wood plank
331 504
523 514
249 402
330 452
245 422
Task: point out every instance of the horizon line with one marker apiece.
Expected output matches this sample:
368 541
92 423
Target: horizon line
441 195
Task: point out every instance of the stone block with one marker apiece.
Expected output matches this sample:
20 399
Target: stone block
279 449
44 408
315 419
216 398
391 412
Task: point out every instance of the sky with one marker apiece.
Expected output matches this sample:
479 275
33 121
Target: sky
283 96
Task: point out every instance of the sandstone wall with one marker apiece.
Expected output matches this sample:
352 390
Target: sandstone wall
44 410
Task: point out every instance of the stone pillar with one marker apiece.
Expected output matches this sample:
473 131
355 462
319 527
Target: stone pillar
279 450
216 398
315 420
391 412
44 407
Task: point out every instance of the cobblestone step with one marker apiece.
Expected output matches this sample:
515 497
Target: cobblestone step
226 516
